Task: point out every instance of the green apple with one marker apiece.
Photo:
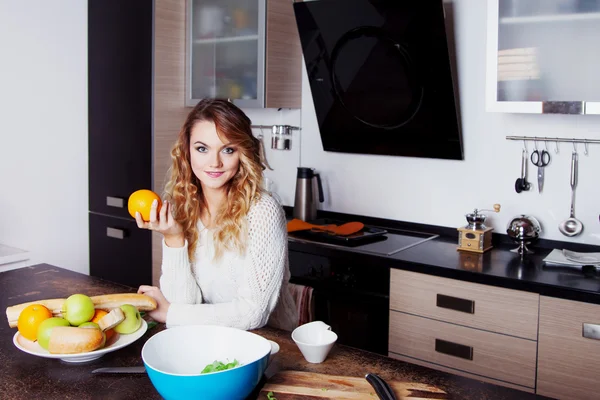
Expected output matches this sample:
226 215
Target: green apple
89 325
78 308
45 329
132 321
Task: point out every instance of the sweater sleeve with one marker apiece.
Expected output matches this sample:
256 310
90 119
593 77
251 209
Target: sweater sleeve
177 282
262 280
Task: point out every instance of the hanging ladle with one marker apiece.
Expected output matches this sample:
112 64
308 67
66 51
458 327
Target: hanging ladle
572 226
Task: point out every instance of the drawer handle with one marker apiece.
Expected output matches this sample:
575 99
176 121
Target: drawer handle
591 331
115 233
454 349
455 303
114 202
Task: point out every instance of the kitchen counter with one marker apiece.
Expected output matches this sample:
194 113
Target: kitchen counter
26 377
497 267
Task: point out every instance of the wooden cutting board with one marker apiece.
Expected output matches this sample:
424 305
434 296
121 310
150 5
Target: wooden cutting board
297 385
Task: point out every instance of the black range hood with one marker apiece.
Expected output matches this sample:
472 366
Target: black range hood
380 76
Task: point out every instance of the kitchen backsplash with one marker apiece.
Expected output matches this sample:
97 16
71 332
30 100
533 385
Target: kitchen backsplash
441 192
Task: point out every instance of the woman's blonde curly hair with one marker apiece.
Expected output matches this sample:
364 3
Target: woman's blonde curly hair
184 191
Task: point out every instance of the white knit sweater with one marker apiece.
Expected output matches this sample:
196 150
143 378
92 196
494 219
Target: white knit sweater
241 291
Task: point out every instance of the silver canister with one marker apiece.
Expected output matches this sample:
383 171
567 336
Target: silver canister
523 230
281 137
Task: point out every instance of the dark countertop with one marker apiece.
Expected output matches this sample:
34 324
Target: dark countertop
497 267
28 377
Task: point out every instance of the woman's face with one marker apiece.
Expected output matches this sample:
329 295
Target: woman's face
213 162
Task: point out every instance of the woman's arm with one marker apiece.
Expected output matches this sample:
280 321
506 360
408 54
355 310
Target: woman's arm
262 280
177 282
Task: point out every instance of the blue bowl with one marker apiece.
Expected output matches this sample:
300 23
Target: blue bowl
175 357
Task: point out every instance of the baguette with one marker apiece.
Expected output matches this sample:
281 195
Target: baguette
104 302
73 340
109 301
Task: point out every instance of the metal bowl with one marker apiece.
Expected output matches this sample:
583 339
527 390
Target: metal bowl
524 230
476 220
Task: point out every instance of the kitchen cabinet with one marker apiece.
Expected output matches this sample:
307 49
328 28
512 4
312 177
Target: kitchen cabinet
350 294
569 345
541 57
245 50
120 251
469 329
120 134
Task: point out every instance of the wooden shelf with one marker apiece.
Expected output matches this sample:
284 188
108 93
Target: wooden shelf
246 38
550 18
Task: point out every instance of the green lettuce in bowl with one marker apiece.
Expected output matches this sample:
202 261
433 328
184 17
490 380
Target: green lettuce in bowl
217 366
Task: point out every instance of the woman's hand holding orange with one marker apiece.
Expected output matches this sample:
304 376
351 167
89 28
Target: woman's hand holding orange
163 222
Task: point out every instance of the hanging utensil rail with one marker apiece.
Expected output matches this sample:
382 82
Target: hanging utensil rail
551 139
295 128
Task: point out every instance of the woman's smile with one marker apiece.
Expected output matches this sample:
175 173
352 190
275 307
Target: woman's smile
213 174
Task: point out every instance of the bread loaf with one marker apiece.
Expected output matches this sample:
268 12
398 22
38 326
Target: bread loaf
105 302
73 340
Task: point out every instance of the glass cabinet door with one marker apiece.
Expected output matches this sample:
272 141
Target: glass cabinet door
543 56
225 53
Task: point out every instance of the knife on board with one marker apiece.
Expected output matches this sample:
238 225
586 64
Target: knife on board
383 390
120 370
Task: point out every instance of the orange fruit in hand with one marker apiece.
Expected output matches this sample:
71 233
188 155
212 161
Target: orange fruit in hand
97 317
30 319
141 201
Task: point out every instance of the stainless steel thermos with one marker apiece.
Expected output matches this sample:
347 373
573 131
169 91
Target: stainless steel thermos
305 203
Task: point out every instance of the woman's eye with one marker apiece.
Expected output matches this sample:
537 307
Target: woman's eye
201 149
228 150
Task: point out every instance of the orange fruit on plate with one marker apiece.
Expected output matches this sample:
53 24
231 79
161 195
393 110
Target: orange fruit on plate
30 319
141 201
97 317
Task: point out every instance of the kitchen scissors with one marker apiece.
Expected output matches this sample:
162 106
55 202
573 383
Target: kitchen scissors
540 158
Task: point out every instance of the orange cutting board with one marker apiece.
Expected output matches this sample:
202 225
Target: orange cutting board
297 385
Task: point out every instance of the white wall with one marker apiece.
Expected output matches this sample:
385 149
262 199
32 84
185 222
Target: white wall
440 192
43 130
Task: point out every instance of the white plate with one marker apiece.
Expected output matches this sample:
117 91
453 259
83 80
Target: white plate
117 342
587 258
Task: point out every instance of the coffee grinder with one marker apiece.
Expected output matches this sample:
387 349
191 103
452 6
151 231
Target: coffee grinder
476 237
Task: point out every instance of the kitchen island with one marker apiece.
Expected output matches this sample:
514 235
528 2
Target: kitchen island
26 376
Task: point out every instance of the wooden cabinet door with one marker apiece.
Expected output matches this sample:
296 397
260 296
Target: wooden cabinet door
501 359
119 101
120 251
568 362
507 311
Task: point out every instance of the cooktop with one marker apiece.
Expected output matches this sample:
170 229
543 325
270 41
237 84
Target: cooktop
370 239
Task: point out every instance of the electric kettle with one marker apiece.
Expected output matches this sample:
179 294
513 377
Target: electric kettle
305 204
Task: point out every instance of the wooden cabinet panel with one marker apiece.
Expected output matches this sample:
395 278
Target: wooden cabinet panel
283 60
169 98
568 363
511 312
120 251
500 357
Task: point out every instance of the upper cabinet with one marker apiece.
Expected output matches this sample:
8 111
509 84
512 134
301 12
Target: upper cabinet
244 50
542 58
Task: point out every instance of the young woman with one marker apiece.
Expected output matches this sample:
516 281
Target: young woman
225 253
